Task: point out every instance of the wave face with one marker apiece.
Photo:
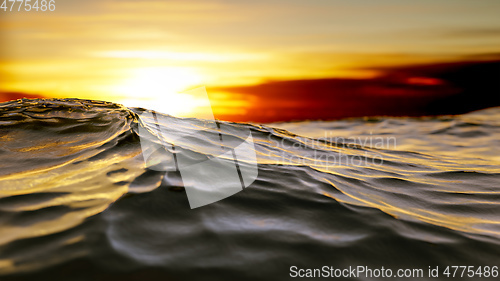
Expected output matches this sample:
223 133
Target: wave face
78 202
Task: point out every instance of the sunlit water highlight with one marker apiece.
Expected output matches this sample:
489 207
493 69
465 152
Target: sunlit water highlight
78 203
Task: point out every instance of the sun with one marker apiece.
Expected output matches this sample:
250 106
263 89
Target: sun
162 89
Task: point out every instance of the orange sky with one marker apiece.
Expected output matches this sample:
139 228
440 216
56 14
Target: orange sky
145 52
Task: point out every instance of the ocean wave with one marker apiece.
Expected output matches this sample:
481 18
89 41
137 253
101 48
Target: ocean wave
78 201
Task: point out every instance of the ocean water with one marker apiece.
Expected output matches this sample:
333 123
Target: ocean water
77 201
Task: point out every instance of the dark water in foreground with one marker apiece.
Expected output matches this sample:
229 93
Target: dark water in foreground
77 203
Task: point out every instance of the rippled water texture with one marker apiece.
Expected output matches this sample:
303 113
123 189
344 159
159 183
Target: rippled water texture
77 201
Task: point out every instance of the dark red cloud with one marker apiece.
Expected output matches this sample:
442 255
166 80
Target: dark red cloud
446 88
7 96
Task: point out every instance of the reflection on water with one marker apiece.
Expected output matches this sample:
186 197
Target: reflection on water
78 203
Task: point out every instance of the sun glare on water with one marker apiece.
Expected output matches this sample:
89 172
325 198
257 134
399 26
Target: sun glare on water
164 89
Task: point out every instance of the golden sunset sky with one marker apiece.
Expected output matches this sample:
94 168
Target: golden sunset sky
141 53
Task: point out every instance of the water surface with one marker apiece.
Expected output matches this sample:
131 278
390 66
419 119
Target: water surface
77 201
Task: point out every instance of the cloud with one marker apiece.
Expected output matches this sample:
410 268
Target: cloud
493 32
7 96
431 89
